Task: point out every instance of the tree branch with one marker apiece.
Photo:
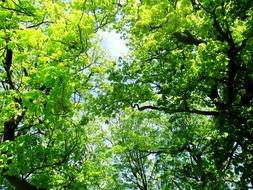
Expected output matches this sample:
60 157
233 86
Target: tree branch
201 112
231 156
7 67
11 125
21 184
18 11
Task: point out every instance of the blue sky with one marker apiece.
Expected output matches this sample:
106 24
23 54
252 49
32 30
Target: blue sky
112 43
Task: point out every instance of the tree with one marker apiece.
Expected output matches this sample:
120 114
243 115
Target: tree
135 139
192 59
176 113
49 61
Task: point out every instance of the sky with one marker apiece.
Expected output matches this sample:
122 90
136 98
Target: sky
112 43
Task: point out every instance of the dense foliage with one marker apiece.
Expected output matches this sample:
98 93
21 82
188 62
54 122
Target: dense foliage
176 113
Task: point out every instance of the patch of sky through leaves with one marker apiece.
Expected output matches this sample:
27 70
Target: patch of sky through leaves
113 44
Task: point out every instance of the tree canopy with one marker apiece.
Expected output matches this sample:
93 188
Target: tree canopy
175 113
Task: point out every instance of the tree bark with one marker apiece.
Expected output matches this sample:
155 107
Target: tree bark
10 127
21 184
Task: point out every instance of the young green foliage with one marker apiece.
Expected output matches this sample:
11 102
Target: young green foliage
192 59
50 62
